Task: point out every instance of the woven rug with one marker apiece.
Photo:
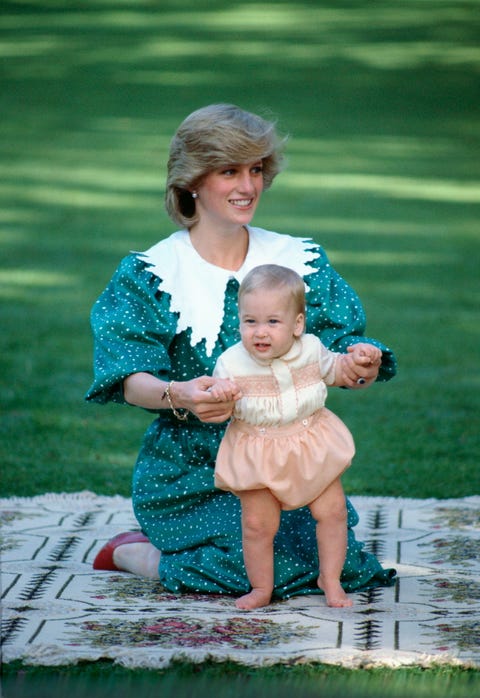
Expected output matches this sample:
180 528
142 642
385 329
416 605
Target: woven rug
58 611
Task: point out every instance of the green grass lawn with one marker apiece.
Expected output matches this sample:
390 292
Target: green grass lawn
233 681
381 101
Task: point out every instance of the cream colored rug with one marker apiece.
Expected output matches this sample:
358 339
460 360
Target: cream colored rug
57 610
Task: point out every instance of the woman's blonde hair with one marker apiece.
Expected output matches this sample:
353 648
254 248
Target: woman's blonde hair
210 138
274 277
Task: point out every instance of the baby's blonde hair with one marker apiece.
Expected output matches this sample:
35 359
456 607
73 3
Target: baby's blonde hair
210 138
274 277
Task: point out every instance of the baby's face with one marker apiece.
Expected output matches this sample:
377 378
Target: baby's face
269 323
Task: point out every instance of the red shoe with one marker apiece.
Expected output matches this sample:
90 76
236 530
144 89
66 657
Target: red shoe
104 559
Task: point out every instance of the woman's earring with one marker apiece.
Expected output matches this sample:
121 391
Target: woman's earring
194 195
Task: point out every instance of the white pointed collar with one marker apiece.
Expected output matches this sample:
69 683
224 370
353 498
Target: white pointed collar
197 288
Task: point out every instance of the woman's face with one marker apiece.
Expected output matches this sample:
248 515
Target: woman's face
228 197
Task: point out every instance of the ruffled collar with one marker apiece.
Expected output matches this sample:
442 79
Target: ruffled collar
197 288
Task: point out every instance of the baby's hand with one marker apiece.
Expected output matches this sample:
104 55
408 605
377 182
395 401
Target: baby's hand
225 390
359 366
364 354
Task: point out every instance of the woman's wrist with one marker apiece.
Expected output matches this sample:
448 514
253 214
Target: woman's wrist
169 397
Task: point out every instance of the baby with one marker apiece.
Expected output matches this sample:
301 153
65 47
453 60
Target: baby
283 449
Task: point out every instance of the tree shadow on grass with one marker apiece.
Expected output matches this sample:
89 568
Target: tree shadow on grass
382 106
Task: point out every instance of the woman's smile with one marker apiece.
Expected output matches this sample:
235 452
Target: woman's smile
230 195
242 203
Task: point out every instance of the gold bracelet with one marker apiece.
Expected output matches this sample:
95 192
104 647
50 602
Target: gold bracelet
183 416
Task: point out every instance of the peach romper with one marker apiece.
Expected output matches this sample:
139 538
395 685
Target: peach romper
281 436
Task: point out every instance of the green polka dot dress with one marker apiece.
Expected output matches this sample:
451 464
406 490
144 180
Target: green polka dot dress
170 313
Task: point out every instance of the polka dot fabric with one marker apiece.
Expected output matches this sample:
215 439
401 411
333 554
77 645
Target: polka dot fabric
196 526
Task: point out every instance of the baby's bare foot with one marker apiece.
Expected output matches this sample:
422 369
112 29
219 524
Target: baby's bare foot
334 594
255 599
337 602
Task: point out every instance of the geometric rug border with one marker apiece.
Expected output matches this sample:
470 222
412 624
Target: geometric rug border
58 611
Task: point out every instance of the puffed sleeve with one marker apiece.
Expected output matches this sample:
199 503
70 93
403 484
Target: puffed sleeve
220 370
335 314
132 329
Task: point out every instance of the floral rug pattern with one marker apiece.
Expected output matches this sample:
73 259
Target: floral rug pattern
56 610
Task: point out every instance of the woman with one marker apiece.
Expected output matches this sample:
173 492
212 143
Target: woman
159 327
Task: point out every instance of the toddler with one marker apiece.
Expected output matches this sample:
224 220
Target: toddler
283 449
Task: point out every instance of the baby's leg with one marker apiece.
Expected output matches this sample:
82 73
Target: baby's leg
260 522
329 511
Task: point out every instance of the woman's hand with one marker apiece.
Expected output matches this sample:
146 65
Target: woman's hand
144 390
209 399
360 366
